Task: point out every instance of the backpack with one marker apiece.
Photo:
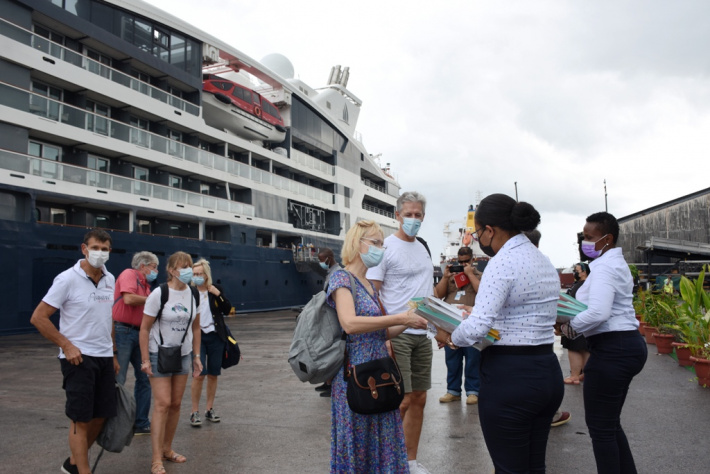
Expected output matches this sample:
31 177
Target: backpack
318 347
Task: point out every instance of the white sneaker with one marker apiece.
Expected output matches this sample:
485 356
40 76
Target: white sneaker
416 468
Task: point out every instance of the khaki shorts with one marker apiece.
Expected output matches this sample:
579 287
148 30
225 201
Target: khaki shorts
414 354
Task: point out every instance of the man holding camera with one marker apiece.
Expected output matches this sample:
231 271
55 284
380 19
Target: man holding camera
458 286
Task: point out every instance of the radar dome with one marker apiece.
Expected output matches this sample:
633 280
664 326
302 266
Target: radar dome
279 64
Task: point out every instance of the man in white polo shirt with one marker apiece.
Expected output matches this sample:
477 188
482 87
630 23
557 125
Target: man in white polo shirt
406 272
83 295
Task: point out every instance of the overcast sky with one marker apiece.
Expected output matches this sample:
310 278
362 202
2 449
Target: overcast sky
469 97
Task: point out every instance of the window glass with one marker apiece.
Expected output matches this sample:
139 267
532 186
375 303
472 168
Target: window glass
140 173
142 35
175 182
177 51
238 92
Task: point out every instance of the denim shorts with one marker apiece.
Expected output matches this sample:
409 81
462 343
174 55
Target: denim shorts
186 365
211 353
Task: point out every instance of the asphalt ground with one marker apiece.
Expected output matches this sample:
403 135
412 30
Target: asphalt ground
273 423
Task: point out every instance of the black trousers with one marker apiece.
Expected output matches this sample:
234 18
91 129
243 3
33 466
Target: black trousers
519 396
615 358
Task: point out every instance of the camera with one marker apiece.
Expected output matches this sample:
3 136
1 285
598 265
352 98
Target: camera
456 268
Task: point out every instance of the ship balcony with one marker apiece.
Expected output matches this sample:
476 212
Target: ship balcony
373 185
52 172
312 163
377 210
41 106
58 51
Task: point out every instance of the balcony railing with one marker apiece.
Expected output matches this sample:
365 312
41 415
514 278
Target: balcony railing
373 185
57 171
377 210
60 52
311 162
42 106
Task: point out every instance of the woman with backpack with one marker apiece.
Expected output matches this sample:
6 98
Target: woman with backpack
364 443
171 319
213 306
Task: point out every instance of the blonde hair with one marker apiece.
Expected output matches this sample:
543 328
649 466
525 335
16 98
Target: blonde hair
351 246
206 268
178 259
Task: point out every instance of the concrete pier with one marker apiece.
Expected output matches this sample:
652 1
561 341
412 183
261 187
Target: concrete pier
272 423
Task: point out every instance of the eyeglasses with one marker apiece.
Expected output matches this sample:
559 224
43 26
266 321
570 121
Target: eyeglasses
377 243
477 233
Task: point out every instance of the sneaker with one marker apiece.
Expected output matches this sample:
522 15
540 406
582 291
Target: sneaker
69 468
195 419
212 416
448 398
322 388
326 393
141 431
416 468
564 417
472 399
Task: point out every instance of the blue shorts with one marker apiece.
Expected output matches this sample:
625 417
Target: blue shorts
211 353
186 365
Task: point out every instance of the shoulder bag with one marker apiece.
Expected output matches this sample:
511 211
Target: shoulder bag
170 357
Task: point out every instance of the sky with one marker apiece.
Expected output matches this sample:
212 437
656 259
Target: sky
468 98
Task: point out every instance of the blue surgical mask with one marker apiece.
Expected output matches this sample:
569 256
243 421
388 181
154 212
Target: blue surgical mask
198 281
411 226
373 257
151 276
324 265
185 275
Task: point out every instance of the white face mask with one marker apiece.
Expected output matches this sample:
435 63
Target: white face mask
97 258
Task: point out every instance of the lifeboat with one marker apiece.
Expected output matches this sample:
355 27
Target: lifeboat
234 108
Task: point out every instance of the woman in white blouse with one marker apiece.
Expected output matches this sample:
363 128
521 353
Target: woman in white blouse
617 350
521 379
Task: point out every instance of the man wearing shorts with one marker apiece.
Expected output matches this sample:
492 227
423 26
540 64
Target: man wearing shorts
406 272
83 295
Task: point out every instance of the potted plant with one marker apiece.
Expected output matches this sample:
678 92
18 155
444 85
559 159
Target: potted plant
693 324
666 314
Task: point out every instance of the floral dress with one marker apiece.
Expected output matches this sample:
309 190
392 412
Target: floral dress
363 443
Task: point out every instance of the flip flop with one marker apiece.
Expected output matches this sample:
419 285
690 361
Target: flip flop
157 468
571 380
172 456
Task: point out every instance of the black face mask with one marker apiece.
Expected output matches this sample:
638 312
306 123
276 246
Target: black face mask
576 276
487 249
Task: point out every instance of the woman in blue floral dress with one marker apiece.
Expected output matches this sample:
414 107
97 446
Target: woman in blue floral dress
364 443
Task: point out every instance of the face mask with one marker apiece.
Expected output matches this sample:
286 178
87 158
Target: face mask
198 281
588 248
324 265
97 258
411 226
576 276
487 249
185 275
373 257
151 276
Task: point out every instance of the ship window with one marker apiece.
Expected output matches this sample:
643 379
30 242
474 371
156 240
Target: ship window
138 134
238 92
177 51
346 117
225 86
142 35
100 65
101 221
39 103
243 240
175 229
143 226
141 84
55 38
48 152
96 121
175 181
204 188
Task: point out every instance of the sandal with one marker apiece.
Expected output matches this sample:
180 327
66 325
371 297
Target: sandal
172 456
157 467
571 380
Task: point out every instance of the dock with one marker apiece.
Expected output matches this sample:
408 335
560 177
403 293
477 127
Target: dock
273 423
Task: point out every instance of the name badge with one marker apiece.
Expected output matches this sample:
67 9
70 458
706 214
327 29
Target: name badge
459 295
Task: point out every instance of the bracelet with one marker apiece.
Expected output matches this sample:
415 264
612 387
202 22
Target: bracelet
145 363
451 344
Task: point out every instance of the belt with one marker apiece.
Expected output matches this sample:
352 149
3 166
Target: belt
126 325
520 350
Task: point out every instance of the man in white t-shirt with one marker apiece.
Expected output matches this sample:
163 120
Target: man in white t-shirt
83 295
406 272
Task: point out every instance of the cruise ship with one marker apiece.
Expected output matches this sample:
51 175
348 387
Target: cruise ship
118 115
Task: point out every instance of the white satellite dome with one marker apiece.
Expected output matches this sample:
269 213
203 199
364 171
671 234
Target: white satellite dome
278 63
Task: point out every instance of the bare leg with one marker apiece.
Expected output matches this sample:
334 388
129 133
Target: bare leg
577 361
161 388
196 392
81 437
173 413
211 391
412 412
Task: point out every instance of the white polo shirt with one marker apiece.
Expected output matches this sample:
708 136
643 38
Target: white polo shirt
84 310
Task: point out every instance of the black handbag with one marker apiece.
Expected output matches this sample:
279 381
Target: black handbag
232 354
170 357
375 386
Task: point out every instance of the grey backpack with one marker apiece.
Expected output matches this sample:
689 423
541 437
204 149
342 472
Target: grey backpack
117 431
318 346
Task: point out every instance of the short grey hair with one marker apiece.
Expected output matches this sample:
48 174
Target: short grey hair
411 196
143 258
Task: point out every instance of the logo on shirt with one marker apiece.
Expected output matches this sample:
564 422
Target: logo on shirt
99 298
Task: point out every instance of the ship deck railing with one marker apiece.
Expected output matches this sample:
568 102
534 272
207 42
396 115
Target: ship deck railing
373 185
377 210
306 254
53 171
27 101
58 51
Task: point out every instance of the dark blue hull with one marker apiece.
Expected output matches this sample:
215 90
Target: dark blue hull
255 278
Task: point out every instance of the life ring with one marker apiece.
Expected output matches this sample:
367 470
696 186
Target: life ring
257 111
